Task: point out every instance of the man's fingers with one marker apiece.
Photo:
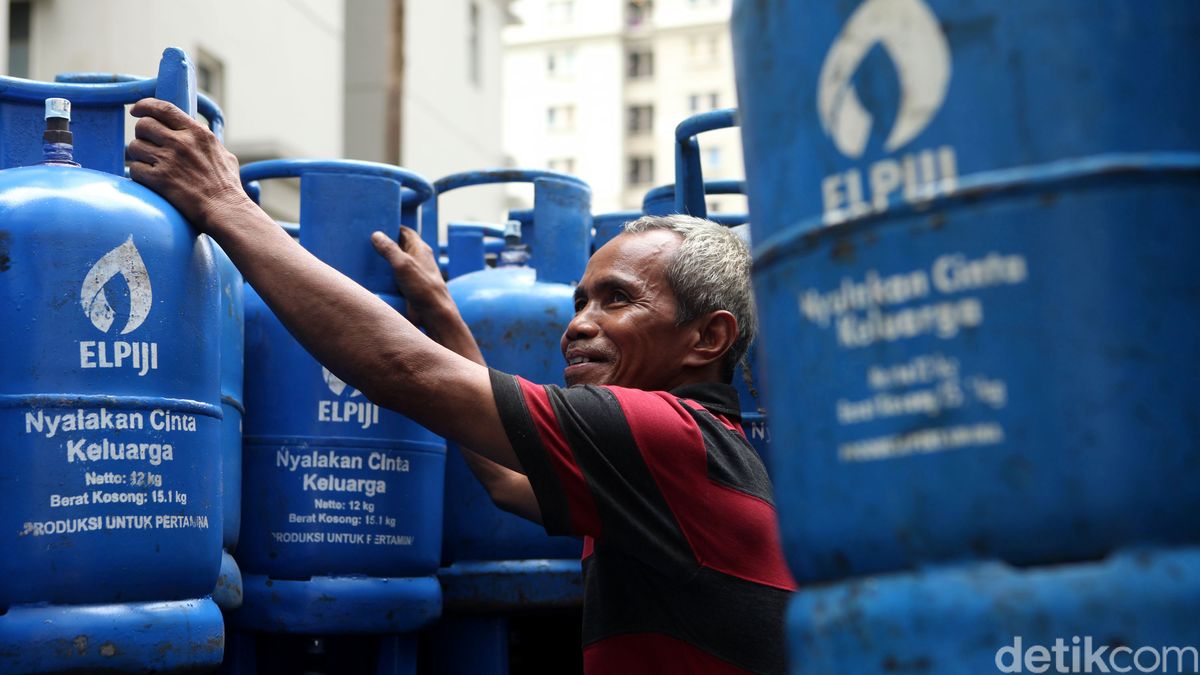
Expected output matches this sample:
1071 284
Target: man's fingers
389 250
142 151
167 113
138 170
150 129
413 245
410 241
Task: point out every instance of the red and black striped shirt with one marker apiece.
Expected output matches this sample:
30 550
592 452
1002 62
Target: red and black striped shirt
683 567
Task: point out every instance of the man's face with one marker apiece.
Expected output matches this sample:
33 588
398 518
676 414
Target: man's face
624 330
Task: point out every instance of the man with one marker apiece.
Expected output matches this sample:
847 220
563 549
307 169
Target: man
642 455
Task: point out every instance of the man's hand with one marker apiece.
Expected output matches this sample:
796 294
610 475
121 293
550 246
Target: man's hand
183 161
431 307
417 275
429 303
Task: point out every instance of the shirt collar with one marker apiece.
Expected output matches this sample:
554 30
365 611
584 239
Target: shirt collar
716 397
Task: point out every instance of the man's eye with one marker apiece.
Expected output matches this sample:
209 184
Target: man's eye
579 306
620 296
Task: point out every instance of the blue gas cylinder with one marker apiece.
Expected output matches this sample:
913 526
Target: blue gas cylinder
498 563
1136 607
228 591
111 472
974 260
110 393
468 245
517 314
341 498
495 303
662 200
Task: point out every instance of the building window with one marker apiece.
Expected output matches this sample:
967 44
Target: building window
639 63
560 12
474 56
698 103
560 117
638 12
562 165
560 62
210 75
641 170
640 120
19 21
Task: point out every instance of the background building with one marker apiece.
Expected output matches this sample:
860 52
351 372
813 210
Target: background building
301 78
442 91
596 88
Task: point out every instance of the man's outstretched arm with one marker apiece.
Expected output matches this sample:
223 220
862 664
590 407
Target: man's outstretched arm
378 351
431 307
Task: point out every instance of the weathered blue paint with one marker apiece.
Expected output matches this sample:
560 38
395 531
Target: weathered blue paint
517 315
966 619
336 490
99 268
135 637
228 591
977 278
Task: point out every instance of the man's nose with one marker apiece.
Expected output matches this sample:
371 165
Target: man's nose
582 325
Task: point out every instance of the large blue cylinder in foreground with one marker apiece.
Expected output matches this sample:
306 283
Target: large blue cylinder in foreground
975 262
989 617
228 592
110 405
342 499
110 395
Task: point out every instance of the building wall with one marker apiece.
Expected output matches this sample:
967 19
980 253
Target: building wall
280 63
450 111
306 78
587 82
692 57
278 100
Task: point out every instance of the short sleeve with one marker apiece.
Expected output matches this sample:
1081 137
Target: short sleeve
587 471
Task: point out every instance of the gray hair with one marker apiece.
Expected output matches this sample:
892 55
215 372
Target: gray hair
711 272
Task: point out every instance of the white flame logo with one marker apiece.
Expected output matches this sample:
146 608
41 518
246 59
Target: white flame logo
336 385
126 261
910 33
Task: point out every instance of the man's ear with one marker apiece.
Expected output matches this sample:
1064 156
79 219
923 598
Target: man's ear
715 334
